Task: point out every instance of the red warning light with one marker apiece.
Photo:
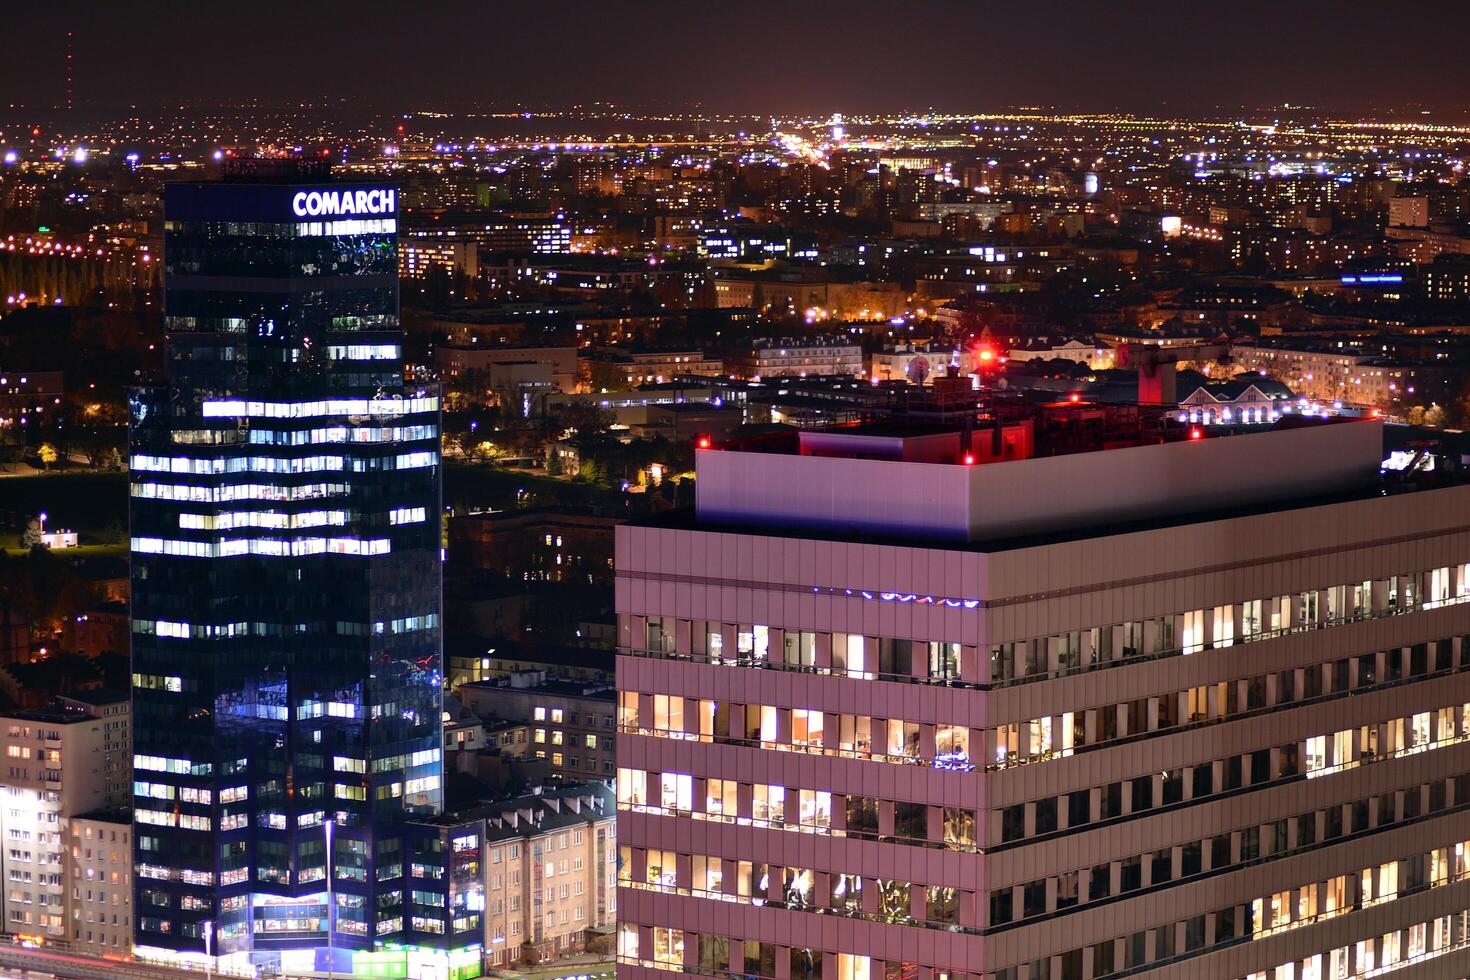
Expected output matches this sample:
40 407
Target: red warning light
1377 412
1196 433
1074 397
703 442
969 459
986 355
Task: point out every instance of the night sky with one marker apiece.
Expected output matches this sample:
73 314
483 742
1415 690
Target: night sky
789 56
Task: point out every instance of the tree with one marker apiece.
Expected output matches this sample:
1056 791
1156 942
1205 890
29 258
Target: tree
485 450
589 421
48 455
601 375
32 536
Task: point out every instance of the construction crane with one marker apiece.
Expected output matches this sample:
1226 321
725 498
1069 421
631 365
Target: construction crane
1157 366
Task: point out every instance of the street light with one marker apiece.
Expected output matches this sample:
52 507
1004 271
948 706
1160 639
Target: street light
209 949
331 905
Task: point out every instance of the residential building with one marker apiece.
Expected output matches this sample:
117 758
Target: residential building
1353 375
1098 356
461 360
1158 702
100 877
537 545
799 357
418 256
570 723
60 762
634 368
551 873
912 363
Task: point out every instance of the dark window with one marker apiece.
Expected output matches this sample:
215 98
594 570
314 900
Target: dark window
862 815
1204 780
1220 851
1225 920
760 958
714 952
1164 942
1001 904
1419 659
1386 809
1285 686
1332 824
1067 892
1143 793
1100 885
1444 653
1366 670
1173 786
1046 815
1163 867
806 964
1413 798
1013 823
1194 932
1135 951
1360 815
1079 808
1130 877
1276 839
1233 772
895 657
1033 898
1112 800
911 821
1191 859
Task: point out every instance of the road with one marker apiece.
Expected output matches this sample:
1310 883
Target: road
32 964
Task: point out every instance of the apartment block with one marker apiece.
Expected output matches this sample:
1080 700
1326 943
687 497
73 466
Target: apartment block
569 723
101 873
551 876
60 762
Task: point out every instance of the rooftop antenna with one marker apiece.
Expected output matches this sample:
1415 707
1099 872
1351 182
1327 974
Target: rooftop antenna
69 59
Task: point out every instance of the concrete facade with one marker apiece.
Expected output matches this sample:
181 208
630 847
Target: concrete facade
60 762
1229 746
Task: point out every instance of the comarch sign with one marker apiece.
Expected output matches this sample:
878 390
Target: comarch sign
310 204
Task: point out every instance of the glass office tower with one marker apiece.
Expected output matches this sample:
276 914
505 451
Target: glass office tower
286 588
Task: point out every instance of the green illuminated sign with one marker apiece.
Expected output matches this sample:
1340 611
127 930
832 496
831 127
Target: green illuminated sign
389 965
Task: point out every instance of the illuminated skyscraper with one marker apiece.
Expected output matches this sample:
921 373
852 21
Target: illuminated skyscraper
286 595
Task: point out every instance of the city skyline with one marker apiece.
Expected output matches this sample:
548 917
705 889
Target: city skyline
818 491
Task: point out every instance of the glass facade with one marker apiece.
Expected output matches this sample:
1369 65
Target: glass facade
286 589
